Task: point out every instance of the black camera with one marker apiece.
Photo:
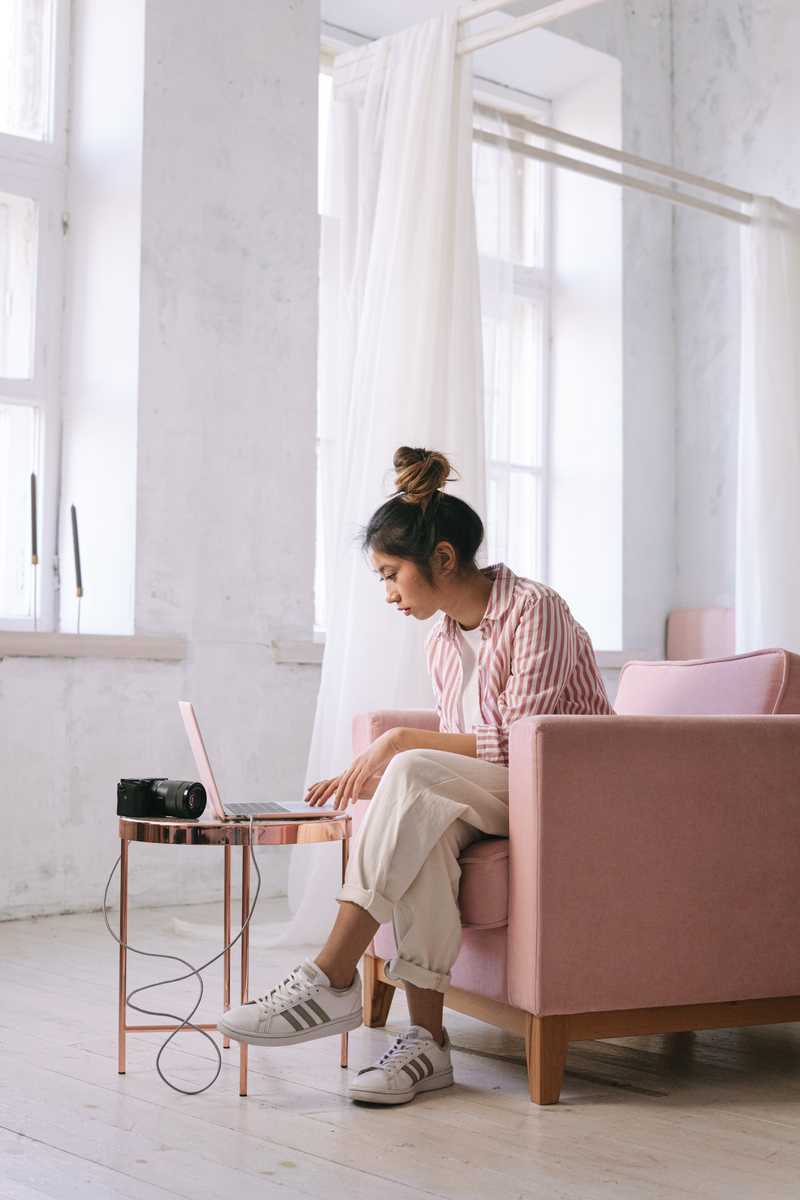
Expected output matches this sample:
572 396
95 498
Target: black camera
160 798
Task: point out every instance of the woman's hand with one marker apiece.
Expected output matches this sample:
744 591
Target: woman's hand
360 778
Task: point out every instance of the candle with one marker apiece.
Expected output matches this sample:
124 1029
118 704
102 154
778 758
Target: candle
34 545
76 552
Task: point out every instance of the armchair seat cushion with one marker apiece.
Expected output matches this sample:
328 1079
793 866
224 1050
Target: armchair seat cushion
483 900
483 890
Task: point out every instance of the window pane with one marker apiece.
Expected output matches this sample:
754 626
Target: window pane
497 386
509 196
497 522
26 54
19 427
19 221
523 523
513 520
527 348
513 349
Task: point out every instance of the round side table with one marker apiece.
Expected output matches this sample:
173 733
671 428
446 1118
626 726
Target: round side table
167 832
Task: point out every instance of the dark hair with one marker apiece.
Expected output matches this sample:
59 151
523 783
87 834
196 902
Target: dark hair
418 516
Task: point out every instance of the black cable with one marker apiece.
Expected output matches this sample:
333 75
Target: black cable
183 1022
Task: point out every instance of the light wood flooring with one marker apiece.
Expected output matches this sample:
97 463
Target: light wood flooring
708 1115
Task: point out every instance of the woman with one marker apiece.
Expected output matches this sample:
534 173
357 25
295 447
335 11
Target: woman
506 647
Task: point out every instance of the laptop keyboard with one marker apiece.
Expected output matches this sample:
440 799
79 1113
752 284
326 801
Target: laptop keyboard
253 810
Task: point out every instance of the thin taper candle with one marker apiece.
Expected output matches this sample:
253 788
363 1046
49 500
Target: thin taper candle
34 543
76 552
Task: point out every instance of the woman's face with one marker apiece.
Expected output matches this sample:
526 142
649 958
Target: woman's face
405 587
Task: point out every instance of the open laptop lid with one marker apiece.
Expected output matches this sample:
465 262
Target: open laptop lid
201 757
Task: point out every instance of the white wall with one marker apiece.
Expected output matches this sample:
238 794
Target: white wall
226 466
227 329
737 105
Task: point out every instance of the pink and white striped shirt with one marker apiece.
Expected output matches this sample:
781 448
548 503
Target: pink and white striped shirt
534 658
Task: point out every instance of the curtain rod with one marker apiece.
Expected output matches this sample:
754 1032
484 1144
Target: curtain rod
478 41
633 160
583 168
543 16
330 50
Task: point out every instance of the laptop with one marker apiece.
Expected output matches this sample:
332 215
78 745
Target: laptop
265 811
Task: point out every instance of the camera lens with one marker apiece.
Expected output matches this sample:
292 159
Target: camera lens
181 798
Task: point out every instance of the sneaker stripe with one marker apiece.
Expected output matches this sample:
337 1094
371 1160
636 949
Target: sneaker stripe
418 1069
424 1058
318 1009
301 1012
412 1074
423 1074
295 1024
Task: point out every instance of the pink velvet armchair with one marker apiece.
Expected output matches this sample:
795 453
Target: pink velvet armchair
651 879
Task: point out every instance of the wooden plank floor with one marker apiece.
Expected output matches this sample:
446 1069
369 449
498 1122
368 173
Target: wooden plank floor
712 1114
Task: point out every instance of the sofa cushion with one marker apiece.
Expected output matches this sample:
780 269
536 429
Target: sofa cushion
760 683
483 889
481 965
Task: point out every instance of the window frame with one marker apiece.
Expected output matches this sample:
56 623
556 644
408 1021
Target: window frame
38 170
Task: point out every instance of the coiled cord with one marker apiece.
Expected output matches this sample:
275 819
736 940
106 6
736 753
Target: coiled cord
183 1022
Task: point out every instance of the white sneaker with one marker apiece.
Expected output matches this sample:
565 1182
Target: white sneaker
303 1006
415 1062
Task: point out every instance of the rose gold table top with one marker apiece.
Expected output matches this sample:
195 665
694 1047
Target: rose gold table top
168 831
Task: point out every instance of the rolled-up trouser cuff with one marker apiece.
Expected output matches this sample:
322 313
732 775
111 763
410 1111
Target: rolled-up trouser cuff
378 907
421 977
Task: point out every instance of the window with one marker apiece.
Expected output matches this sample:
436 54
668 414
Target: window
32 180
512 213
512 208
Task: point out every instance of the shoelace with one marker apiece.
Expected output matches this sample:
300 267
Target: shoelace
401 1051
296 987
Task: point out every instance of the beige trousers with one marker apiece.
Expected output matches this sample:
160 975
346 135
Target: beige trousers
404 867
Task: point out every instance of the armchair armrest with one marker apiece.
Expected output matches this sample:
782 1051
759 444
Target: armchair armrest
653 861
368 726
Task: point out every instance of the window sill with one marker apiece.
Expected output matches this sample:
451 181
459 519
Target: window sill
91 645
303 651
299 650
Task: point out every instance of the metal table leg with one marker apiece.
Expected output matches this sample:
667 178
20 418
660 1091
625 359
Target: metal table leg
345 1036
123 954
226 959
245 962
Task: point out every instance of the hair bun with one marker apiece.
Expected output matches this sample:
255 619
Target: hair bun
419 473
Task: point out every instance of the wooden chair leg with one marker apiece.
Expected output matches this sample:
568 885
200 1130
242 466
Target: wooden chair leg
377 995
546 1055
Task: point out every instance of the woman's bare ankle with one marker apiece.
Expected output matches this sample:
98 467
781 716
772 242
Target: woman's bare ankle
338 978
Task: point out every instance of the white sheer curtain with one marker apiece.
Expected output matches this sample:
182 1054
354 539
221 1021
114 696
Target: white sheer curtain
768 508
400 364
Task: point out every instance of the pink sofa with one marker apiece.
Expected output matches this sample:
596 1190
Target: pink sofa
651 880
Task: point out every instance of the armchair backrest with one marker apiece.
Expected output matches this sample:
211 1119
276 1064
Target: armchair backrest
758 683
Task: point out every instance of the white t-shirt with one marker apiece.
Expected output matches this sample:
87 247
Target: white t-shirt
470 642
